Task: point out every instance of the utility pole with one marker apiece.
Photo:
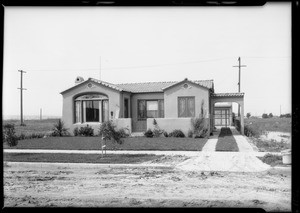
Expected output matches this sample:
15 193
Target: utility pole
41 114
21 96
239 66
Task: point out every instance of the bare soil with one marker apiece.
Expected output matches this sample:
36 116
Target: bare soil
142 185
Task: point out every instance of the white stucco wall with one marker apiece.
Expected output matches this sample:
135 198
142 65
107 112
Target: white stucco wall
171 98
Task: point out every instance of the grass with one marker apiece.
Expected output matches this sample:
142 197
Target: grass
259 125
33 126
226 141
94 143
79 158
272 160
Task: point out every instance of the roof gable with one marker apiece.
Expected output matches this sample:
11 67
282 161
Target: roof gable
185 81
99 82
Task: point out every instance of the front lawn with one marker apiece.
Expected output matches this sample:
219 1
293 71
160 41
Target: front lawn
226 141
79 158
94 143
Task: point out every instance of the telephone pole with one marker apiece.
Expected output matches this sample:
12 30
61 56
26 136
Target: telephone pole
239 66
21 96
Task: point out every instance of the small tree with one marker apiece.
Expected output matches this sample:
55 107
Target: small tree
265 115
248 115
59 129
9 135
270 115
157 131
108 132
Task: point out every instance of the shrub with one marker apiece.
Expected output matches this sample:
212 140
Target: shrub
157 132
270 115
271 159
248 115
237 124
86 131
251 132
148 133
265 115
177 133
166 134
108 132
22 136
204 133
199 127
9 135
287 115
59 129
123 132
190 133
76 131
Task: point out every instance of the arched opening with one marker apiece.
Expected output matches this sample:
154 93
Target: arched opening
91 107
225 108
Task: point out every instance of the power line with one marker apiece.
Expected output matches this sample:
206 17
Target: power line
130 67
147 66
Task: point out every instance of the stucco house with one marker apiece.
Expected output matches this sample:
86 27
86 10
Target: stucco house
135 105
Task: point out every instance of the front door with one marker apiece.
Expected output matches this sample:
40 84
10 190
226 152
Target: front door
222 117
126 106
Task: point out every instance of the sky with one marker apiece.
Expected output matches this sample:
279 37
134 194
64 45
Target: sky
54 45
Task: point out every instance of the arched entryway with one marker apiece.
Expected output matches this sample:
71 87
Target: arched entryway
227 98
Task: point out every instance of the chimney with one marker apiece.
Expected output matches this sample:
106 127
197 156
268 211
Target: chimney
78 80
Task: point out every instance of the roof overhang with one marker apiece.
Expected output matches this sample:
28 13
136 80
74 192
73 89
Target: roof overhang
226 95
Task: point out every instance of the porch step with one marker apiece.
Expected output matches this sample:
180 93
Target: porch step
137 134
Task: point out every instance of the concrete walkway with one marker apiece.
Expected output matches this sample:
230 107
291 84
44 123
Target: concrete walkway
243 144
210 145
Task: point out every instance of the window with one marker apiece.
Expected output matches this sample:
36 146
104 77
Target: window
91 108
186 106
150 109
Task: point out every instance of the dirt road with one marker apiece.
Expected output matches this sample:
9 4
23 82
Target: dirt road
82 185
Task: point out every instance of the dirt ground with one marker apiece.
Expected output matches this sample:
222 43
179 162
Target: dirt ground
143 185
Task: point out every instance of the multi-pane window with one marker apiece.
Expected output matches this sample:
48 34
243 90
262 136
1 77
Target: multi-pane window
91 108
186 106
150 109
222 117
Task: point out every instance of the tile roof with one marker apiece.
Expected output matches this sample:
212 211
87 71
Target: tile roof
143 87
114 86
239 94
158 86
